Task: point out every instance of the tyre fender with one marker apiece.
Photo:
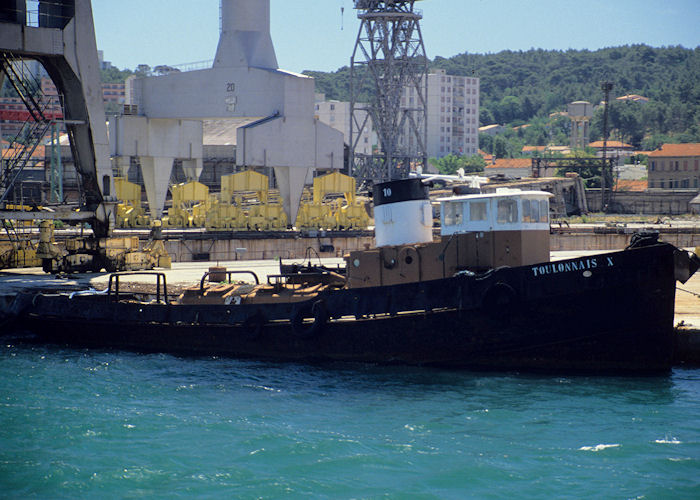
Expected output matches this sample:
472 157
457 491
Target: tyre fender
253 325
316 310
499 299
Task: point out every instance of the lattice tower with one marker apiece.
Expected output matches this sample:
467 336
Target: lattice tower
388 63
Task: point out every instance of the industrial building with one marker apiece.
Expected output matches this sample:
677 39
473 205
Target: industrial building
337 114
245 82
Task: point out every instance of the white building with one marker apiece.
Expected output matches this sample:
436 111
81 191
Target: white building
453 114
336 114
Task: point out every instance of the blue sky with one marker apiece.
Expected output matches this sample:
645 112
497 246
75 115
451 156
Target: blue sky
307 33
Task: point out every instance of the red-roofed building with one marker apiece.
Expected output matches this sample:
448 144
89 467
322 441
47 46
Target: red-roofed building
37 155
488 158
511 167
614 149
675 166
533 150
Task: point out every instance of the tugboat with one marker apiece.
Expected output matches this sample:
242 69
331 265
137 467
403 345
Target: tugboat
483 296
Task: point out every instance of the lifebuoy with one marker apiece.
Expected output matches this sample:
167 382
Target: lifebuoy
318 312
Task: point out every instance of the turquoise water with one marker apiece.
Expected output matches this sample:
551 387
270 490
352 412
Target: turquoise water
86 424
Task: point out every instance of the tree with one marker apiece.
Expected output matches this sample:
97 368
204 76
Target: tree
500 147
143 70
486 143
451 164
590 174
508 109
485 117
115 75
165 70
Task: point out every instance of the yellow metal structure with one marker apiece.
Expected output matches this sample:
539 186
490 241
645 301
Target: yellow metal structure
130 212
267 216
334 182
315 216
155 248
246 204
248 180
353 216
320 214
190 205
224 215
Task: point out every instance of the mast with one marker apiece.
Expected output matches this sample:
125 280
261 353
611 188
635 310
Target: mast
606 87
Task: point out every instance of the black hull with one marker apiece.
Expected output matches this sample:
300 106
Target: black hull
604 313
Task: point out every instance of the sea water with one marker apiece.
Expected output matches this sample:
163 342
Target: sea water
96 424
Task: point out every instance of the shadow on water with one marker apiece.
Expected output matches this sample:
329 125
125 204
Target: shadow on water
513 389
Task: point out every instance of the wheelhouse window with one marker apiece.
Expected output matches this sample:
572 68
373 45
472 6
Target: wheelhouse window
532 211
527 217
544 211
453 214
478 210
507 211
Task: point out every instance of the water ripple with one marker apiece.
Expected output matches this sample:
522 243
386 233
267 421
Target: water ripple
86 424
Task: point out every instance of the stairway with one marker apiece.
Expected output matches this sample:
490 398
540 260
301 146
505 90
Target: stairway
33 130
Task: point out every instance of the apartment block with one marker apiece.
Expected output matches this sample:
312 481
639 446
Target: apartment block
453 115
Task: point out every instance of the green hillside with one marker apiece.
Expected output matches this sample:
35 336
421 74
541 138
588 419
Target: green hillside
526 87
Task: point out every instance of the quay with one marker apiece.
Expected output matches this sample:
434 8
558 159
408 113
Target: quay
199 245
183 274
196 244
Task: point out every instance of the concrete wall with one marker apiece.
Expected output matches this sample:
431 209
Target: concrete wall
140 136
212 93
615 241
319 146
650 202
181 250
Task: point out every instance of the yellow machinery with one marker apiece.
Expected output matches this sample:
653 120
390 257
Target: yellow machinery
18 254
234 210
322 215
17 250
268 216
90 254
190 205
130 213
313 215
224 215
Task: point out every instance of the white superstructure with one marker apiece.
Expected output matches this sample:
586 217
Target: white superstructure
403 214
504 210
